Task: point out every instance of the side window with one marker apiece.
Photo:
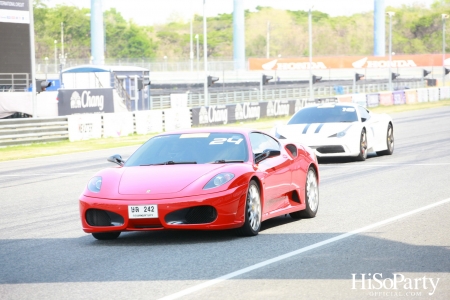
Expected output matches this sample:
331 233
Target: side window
261 142
363 114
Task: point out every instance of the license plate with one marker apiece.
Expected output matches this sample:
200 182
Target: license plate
142 211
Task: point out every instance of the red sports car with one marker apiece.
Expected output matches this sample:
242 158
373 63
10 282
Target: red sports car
206 179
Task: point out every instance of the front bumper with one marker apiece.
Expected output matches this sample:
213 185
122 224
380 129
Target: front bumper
335 147
229 206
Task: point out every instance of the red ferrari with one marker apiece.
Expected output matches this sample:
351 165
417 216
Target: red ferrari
205 179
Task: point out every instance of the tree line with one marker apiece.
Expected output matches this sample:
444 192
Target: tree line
416 29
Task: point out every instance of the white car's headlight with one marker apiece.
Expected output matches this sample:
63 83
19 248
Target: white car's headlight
341 134
218 180
95 184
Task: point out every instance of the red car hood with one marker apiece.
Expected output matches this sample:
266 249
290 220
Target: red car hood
165 179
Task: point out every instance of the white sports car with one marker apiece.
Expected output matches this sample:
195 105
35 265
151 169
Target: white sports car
340 130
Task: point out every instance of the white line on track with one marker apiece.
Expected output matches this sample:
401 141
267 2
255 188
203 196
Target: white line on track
50 174
209 283
380 165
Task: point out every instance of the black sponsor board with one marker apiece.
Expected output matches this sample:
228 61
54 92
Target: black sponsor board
232 113
81 101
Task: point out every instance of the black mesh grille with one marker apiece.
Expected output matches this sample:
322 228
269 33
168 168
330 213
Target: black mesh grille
98 217
201 215
330 149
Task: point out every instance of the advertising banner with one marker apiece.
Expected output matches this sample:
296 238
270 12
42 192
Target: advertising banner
225 114
148 121
344 99
433 94
360 99
444 93
411 96
386 98
80 101
85 127
177 118
373 100
399 97
117 124
422 95
15 11
346 62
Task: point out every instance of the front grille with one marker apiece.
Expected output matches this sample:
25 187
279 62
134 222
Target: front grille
98 217
201 215
330 149
193 215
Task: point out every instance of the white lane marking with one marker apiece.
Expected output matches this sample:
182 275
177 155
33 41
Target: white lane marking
209 283
50 174
380 165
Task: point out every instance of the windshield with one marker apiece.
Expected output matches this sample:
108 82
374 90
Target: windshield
325 114
191 148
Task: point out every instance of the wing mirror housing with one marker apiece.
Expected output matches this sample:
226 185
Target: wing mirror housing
268 153
117 159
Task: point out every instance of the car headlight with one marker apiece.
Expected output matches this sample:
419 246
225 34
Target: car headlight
218 180
338 135
95 184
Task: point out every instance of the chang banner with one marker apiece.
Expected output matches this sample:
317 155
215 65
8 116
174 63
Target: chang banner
232 113
82 101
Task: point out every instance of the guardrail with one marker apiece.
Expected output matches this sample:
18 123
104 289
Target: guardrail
30 130
223 98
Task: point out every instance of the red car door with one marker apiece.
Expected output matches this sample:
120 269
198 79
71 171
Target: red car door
277 172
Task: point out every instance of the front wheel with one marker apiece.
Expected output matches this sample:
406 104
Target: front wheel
103 236
252 223
389 142
362 146
311 197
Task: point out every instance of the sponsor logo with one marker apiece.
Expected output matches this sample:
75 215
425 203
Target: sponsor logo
377 64
270 65
398 285
213 114
247 111
277 108
301 66
86 100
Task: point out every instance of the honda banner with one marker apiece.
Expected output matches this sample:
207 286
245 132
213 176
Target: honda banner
346 62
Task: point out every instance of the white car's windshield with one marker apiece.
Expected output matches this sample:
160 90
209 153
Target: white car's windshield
191 148
325 114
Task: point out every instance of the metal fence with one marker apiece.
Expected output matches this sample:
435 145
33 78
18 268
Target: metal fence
223 98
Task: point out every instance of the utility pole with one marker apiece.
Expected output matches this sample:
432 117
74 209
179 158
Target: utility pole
33 61
311 91
268 40
191 52
205 54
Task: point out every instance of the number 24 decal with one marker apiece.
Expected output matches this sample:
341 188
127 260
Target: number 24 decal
220 141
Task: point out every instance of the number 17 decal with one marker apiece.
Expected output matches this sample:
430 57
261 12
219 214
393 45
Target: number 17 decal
220 141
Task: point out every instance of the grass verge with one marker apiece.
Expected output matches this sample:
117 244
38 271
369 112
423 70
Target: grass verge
64 147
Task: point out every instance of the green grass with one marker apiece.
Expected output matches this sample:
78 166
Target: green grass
64 147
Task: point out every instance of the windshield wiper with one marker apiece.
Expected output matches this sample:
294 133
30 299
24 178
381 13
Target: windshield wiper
222 161
171 162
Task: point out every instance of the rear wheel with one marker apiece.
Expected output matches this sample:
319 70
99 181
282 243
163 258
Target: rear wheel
389 142
311 197
362 147
106 235
252 223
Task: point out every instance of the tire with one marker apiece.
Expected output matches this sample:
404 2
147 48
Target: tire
362 147
311 197
103 236
252 223
389 142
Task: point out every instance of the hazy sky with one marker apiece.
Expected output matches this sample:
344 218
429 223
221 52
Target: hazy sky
148 12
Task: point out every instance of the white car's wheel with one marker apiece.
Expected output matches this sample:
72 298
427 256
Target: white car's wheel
389 142
362 146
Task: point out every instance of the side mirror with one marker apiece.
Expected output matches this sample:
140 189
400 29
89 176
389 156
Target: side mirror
268 153
117 159
363 120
